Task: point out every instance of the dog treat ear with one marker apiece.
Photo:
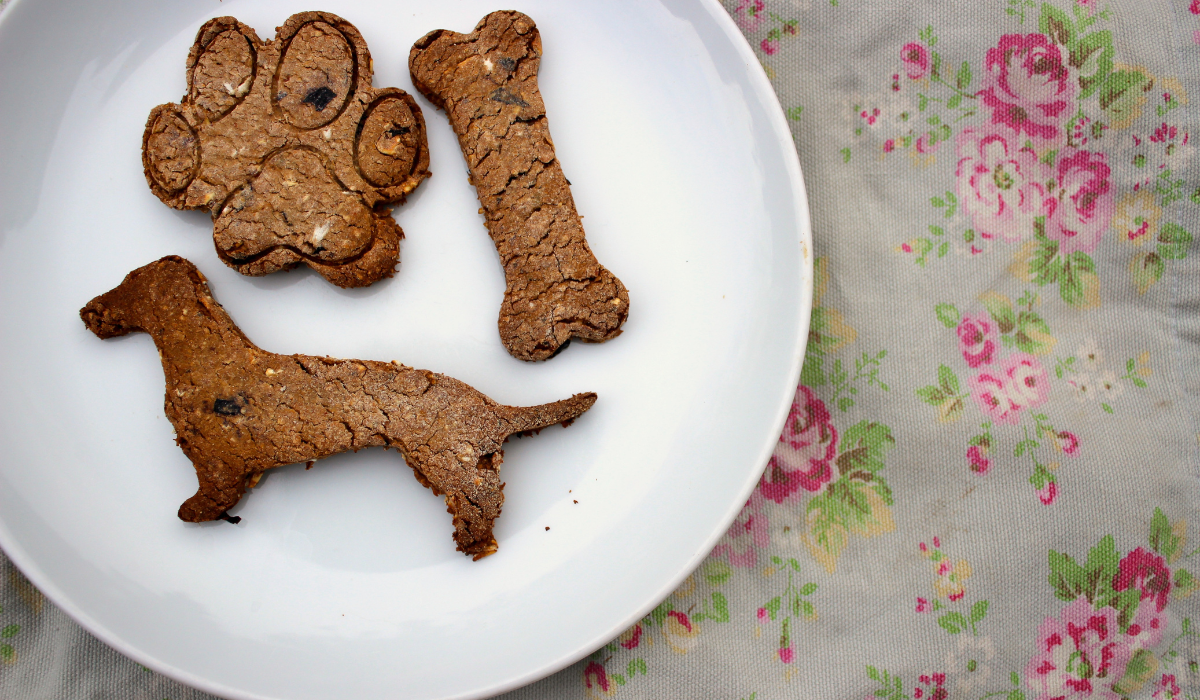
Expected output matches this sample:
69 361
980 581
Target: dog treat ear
487 83
289 148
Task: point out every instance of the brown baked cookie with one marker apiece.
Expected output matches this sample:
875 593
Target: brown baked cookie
239 410
487 83
290 149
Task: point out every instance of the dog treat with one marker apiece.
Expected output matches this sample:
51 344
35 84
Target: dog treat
239 410
486 82
289 148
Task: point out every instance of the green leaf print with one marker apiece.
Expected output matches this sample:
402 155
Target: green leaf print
1000 308
1140 668
10 631
1185 583
1092 57
1147 269
1066 577
772 607
1057 25
948 380
1033 335
866 442
953 622
1044 263
1093 580
963 79
948 314
1162 538
978 612
1173 241
717 572
1120 95
1076 279
931 395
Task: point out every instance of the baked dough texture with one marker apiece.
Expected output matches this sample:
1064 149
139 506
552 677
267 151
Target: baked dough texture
289 148
486 81
239 410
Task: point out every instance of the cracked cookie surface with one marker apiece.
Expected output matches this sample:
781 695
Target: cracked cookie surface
289 148
239 410
486 81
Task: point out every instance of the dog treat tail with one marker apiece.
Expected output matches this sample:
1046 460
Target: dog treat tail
522 419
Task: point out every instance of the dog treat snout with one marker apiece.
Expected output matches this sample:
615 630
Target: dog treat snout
486 81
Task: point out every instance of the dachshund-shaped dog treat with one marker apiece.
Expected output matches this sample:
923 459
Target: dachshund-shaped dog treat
487 83
239 410
290 149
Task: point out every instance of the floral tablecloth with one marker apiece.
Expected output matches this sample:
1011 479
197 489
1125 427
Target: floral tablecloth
987 486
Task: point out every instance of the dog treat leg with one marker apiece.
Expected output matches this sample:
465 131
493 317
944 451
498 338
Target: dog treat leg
239 410
486 81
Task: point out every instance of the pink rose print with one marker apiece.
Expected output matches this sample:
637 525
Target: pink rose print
977 339
1027 86
1019 383
787 654
923 605
595 679
770 46
1026 380
1067 442
779 484
681 633
1147 572
990 392
976 456
1084 207
807 446
925 145
750 14
1048 493
1146 630
1001 184
1080 655
1195 7
632 637
749 532
1168 688
932 687
763 616
916 60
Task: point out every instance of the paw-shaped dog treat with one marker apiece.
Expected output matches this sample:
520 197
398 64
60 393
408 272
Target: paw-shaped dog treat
487 83
290 149
239 410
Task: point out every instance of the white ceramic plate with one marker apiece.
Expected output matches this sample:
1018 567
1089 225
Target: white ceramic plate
343 581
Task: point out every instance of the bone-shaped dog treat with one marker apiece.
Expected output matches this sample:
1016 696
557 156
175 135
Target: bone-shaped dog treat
290 149
239 410
487 83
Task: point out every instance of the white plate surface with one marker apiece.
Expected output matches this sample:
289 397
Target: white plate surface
343 581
